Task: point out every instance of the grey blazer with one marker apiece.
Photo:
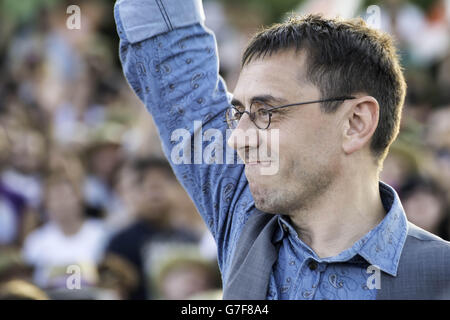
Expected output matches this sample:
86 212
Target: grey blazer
423 271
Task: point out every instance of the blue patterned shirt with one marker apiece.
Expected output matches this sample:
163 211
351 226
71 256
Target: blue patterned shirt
170 60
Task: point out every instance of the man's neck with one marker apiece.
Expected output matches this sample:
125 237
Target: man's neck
341 216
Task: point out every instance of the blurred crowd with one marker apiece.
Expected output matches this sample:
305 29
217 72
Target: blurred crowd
89 207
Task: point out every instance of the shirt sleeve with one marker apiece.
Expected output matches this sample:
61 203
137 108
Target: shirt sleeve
170 60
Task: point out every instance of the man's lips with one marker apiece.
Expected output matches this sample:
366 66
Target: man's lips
258 163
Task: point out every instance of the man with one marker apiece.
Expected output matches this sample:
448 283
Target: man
320 226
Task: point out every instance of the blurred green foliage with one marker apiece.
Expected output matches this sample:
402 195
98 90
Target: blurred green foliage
18 11
423 4
271 10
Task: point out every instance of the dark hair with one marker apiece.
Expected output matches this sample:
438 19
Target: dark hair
343 57
143 165
417 183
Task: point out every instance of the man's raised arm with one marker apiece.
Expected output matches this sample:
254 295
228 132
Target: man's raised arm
170 60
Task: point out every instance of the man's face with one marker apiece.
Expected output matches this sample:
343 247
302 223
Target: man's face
309 146
156 188
62 204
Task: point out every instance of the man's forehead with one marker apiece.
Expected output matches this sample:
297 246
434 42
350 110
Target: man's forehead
289 61
281 74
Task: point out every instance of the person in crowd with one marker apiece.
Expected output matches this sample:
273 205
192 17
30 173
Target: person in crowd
103 158
68 238
20 183
425 205
21 290
154 186
182 272
118 278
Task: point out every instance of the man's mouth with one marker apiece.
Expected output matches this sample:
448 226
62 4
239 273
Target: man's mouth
258 163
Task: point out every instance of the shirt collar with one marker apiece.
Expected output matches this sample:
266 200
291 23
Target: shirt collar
381 247
385 242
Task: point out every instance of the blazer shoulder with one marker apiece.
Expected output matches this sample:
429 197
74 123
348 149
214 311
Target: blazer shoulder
428 249
425 238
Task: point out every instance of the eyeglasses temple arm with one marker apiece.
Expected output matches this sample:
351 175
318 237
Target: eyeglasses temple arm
315 101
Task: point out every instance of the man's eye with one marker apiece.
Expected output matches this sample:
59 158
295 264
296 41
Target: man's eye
238 109
236 113
236 116
264 112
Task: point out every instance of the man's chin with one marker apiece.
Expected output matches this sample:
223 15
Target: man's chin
266 207
261 199
268 200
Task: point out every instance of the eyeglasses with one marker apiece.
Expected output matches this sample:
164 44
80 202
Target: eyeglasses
262 112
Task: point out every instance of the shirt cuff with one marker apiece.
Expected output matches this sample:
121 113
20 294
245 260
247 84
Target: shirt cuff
138 20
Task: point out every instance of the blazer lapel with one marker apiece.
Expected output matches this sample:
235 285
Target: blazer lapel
252 263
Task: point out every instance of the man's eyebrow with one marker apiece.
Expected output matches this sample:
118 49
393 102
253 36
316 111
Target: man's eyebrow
235 102
269 99
266 98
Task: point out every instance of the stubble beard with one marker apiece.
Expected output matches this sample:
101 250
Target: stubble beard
293 192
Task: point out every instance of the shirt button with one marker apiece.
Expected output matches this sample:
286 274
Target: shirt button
312 265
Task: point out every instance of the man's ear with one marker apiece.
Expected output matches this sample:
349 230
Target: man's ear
361 121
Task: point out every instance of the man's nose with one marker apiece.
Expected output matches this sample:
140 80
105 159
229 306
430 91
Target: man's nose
245 135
